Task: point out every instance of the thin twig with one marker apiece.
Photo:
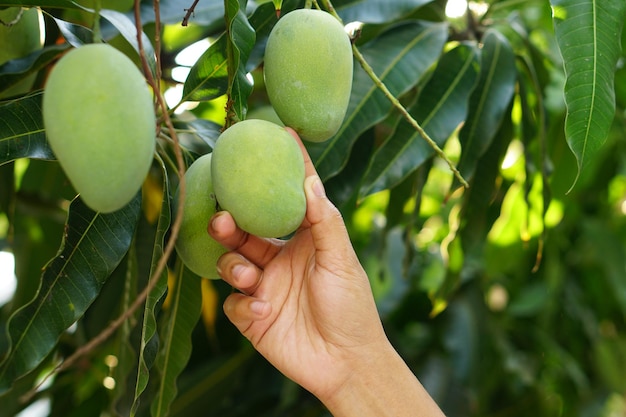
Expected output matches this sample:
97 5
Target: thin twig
189 12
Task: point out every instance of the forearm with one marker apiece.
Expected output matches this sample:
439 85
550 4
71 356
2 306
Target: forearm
384 386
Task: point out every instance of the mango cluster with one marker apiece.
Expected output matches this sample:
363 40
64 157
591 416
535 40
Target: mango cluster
256 170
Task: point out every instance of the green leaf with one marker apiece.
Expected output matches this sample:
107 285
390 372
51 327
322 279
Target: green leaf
184 312
440 108
399 57
241 37
147 353
488 102
12 72
21 130
93 245
588 35
375 11
128 30
208 78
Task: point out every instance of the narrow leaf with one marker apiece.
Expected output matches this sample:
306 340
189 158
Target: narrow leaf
588 35
489 101
21 130
12 72
376 11
93 245
441 107
399 57
241 37
147 353
175 350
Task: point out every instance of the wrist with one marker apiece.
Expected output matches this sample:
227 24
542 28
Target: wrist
381 385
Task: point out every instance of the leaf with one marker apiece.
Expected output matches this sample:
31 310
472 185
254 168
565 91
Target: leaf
440 108
241 37
128 30
176 343
375 11
399 57
147 351
93 245
208 78
488 102
21 130
12 72
588 36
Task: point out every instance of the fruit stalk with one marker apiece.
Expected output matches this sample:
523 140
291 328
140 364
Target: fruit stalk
396 103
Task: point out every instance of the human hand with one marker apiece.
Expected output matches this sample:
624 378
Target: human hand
306 303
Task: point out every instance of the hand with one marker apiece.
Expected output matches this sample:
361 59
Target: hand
306 304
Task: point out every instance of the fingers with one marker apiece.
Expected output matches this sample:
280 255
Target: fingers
243 311
239 272
326 224
223 229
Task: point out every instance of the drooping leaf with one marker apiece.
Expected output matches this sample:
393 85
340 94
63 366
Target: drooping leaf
12 72
488 102
375 11
241 38
399 57
93 245
588 35
128 30
175 348
21 130
149 337
441 107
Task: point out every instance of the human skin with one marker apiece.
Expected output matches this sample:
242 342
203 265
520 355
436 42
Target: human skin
306 305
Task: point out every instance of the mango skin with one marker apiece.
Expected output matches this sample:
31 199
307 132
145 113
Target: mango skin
308 72
258 175
196 248
100 123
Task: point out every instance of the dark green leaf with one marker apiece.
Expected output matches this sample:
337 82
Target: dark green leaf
75 35
15 70
21 130
376 11
175 350
241 40
148 329
208 77
93 245
588 35
441 107
399 57
489 100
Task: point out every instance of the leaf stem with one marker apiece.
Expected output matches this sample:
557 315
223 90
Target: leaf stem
396 103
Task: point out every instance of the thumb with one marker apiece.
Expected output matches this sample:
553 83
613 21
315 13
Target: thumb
326 223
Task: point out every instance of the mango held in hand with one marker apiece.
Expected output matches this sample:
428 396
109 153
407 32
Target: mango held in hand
258 175
197 249
100 123
308 72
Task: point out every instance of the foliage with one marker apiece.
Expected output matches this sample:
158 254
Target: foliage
505 298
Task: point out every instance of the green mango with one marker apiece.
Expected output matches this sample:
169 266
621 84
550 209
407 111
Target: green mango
197 249
308 72
20 35
258 175
99 118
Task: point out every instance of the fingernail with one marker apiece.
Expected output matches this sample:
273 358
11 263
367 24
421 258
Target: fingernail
258 307
238 270
318 187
